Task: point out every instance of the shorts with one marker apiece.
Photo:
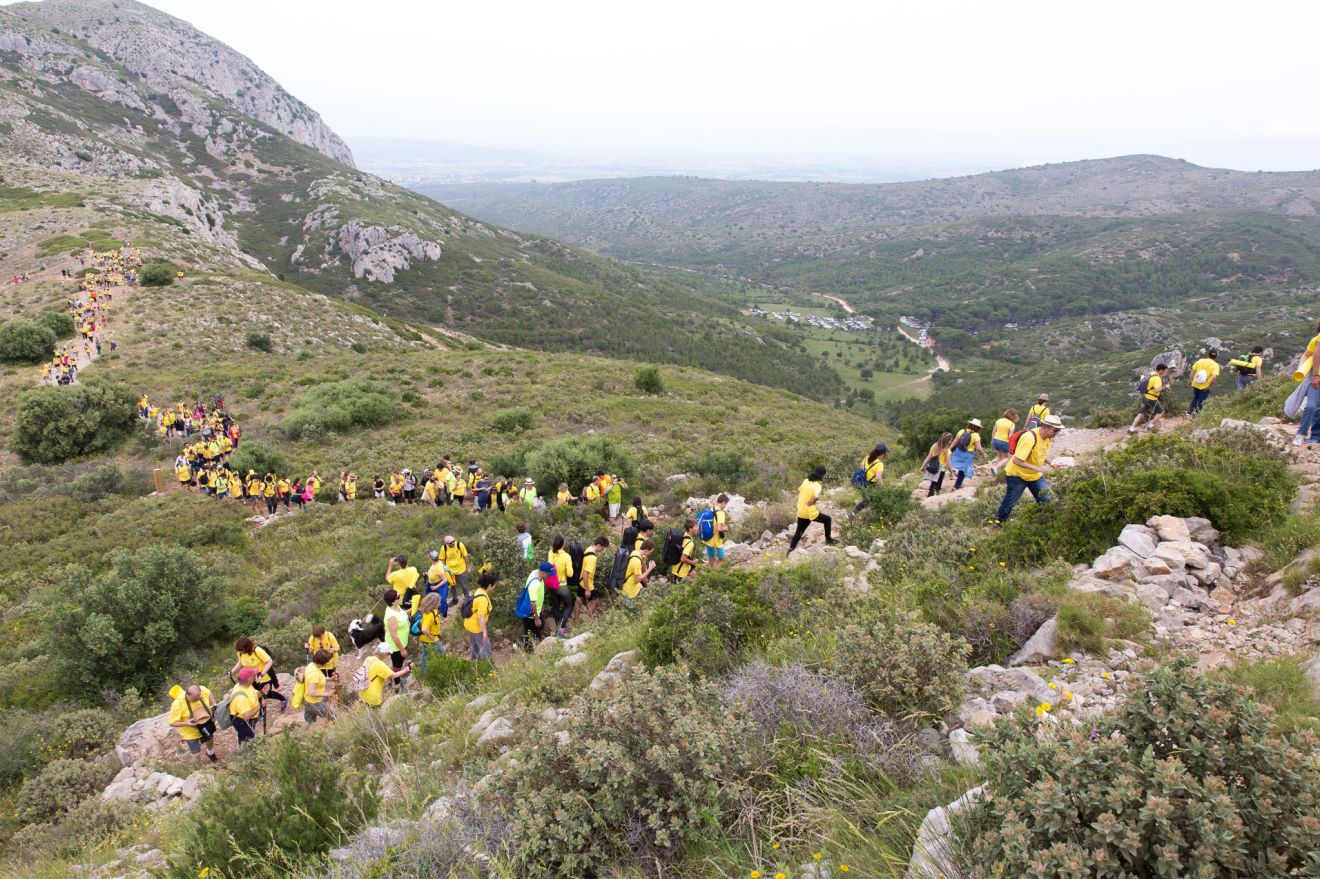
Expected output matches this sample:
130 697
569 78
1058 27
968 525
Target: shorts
208 732
1151 407
714 552
999 445
614 510
313 710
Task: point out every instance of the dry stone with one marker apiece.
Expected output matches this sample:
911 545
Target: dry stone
1115 563
1139 539
934 852
1170 527
1039 647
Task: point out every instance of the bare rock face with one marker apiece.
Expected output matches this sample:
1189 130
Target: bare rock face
377 252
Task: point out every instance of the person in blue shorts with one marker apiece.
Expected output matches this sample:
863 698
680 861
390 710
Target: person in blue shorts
715 546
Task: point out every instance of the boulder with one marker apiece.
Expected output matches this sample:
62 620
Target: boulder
1167 582
1223 597
484 721
1209 575
151 735
1312 669
1039 647
1008 701
610 679
1152 596
738 553
439 813
1139 539
934 852
482 702
1191 598
1201 531
1115 563
1189 553
997 679
1170 527
1152 567
496 735
573 660
577 642
962 748
976 712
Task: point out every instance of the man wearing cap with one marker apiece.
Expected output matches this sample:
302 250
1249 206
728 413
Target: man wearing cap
455 557
533 627
962 457
1026 469
245 705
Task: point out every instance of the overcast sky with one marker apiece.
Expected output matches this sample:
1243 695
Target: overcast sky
1230 84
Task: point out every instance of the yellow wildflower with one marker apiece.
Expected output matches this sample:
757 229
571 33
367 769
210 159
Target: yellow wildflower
756 874
1043 708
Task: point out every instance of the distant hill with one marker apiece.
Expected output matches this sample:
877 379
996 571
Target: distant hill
141 116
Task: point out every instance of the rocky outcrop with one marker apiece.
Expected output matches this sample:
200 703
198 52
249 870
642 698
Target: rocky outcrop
934 854
135 784
378 252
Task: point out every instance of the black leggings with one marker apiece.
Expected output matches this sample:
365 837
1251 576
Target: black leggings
936 484
531 634
957 483
802 525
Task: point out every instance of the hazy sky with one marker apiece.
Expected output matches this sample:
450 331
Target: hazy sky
1008 82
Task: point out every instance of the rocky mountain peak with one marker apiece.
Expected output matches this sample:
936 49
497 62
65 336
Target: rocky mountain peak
171 57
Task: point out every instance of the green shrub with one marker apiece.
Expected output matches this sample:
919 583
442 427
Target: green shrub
1284 686
157 274
58 322
129 623
102 482
512 421
446 673
1108 416
886 503
710 621
263 459
576 460
1256 401
664 762
60 786
57 424
23 342
993 628
903 668
258 341
341 407
728 466
1088 619
289 793
647 380
1189 778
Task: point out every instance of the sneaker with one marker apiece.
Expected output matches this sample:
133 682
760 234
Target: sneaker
831 542
1298 440
1132 430
212 757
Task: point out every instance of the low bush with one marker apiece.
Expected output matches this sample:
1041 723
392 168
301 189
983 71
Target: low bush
259 341
60 786
992 629
129 623
1256 401
903 668
341 407
647 379
58 322
157 274
446 673
730 467
1284 686
261 458
1109 416
289 794
102 482
57 424
809 703
23 342
639 775
1088 619
712 620
1171 785
886 504
512 421
575 460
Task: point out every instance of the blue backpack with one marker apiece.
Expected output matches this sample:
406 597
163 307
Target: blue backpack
859 477
706 524
523 609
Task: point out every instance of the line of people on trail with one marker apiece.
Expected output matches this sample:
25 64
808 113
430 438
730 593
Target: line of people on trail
89 309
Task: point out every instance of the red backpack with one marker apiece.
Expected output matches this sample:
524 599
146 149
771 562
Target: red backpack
1014 437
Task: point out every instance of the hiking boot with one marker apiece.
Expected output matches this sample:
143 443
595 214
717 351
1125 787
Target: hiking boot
831 542
212 757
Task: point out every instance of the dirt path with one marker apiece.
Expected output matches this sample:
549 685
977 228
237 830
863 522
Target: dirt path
839 299
941 362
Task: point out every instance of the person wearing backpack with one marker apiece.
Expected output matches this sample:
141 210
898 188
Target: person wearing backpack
562 593
588 598
438 581
1003 429
245 705
1308 373
322 639
531 603
477 620
1152 392
192 714
638 573
687 552
1026 469
1204 373
455 556
266 682
1249 367
377 675
713 525
962 454
1038 413
936 463
316 690
870 472
808 509
426 626
636 511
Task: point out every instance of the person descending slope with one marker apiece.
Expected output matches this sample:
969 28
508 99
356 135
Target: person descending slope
1204 373
191 713
477 622
1152 392
936 463
1003 429
1038 413
1308 373
1249 367
962 454
808 510
719 530
1026 469
871 471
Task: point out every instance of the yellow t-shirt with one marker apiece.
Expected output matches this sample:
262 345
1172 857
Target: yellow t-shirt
313 679
591 492
563 563
285 486
255 660
350 489
973 441
454 557
1154 387
563 497
325 642
1310 346
268 488
808 494
717 539
377 674
185 709
430 627
428 491
1003 429
874 470
246 701
480 607
588 570
184 472
403 579
1031 448
435 574
1040 410
632 514
682 569
632 581
1211 369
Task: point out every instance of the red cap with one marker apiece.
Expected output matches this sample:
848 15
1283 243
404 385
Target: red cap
246 674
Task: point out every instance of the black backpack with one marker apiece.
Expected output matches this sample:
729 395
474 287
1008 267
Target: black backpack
673 547
630 537
619 570
1244 370
576 552
964 441
465 605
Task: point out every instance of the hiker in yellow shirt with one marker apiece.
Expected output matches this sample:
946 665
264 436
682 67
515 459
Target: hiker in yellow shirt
477 623
715 546
428 626
192 714
350 487
266 681
1308 373
639 569
1003 429
1038 413
323 639
245 706
1249 367
1026 469
962 454
563 497
316 688
808 510
455 557
1151 394
936 463
378 674
872 471
403 578
687 556
587 597
1204 373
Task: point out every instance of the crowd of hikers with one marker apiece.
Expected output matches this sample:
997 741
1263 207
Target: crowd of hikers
89 309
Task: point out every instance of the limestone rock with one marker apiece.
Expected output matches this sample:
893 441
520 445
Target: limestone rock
976 712
1139 539
738 508
610 679
963 749
996 679
1152 596
1201 531
573 660
147 736
1115 563
933 854
1170 527
440 812
482 702
1008 701
577 643
497 734
1039 647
